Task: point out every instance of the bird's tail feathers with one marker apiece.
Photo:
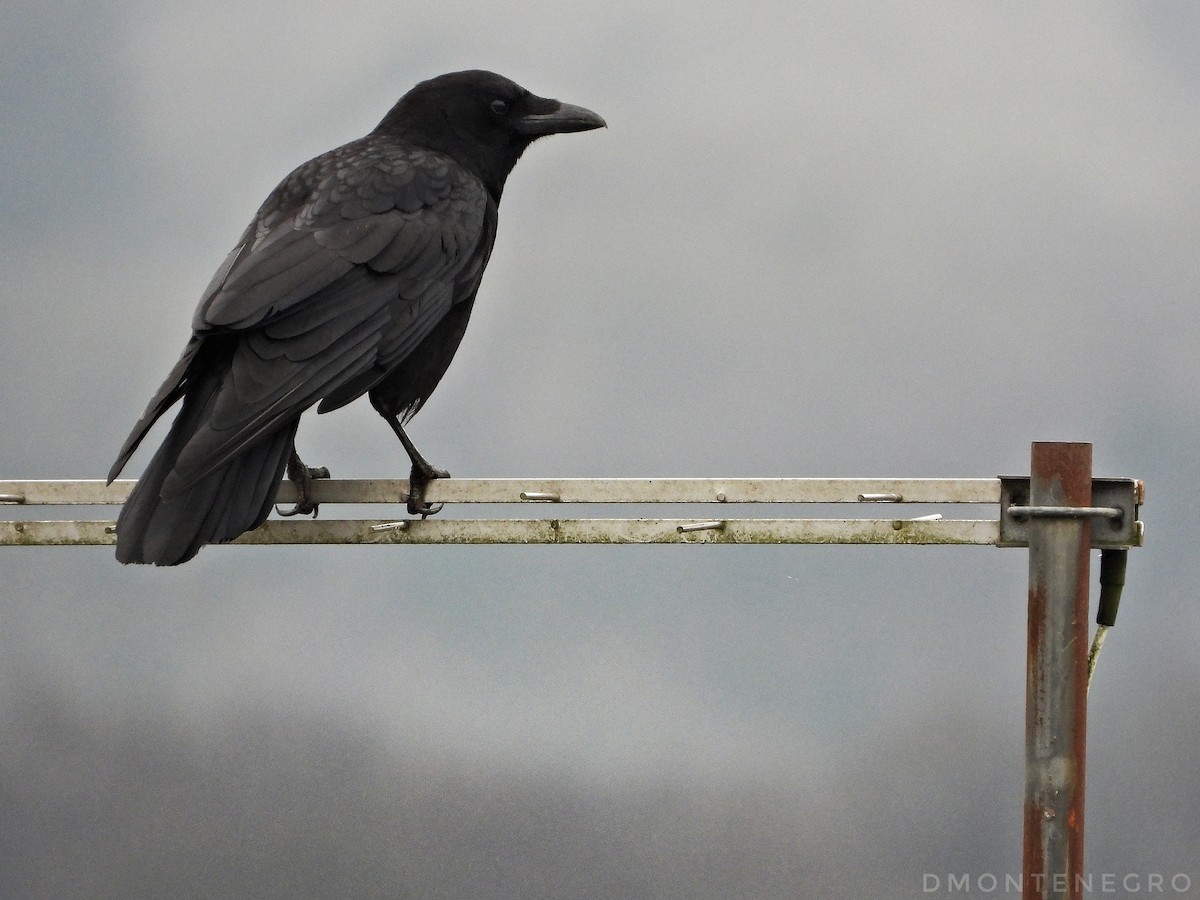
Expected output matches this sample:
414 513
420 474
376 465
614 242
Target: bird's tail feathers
235 497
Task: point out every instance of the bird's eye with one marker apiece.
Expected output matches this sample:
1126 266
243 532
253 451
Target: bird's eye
499 107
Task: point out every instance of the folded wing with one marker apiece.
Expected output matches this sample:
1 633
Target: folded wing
350 264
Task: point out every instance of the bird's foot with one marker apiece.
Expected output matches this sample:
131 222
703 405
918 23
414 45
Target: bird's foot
418 480
302 476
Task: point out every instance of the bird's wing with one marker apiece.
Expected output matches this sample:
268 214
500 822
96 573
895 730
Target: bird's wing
353 260
395 209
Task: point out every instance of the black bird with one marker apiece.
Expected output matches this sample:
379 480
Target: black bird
357 276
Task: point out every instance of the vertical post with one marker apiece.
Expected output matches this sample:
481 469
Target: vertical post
1056 673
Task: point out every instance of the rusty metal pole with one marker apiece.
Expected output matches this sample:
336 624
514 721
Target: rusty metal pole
1056 672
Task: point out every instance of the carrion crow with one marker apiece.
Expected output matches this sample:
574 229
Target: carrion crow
356 276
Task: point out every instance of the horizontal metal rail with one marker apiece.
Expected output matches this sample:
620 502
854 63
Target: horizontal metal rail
548 531
718 526
89 492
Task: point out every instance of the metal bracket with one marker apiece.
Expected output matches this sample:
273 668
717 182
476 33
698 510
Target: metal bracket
1114 513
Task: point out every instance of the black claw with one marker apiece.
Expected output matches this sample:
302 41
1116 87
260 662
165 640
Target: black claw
418 480
302 476
423 509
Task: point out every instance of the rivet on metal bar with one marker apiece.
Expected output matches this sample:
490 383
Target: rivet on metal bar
12 498
543 496
898 524
715 525
881 498
1065 512
391 526
110 529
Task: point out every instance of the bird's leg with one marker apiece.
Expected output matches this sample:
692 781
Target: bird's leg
302 476
422 474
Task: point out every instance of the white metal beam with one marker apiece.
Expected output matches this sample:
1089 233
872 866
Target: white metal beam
89 492
727 523
548 531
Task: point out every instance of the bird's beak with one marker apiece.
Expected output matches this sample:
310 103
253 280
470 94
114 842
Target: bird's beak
558 118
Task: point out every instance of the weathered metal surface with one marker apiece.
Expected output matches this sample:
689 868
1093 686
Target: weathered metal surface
76 533
548 531
1109 532
1122 494
1056 673
87 492
73 492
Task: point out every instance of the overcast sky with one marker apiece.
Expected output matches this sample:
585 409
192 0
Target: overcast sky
816 240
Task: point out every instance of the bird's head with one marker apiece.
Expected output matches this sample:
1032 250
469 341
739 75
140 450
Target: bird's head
483 120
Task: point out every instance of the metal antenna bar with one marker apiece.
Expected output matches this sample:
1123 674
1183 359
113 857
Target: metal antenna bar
1010 528
566 490
445 530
